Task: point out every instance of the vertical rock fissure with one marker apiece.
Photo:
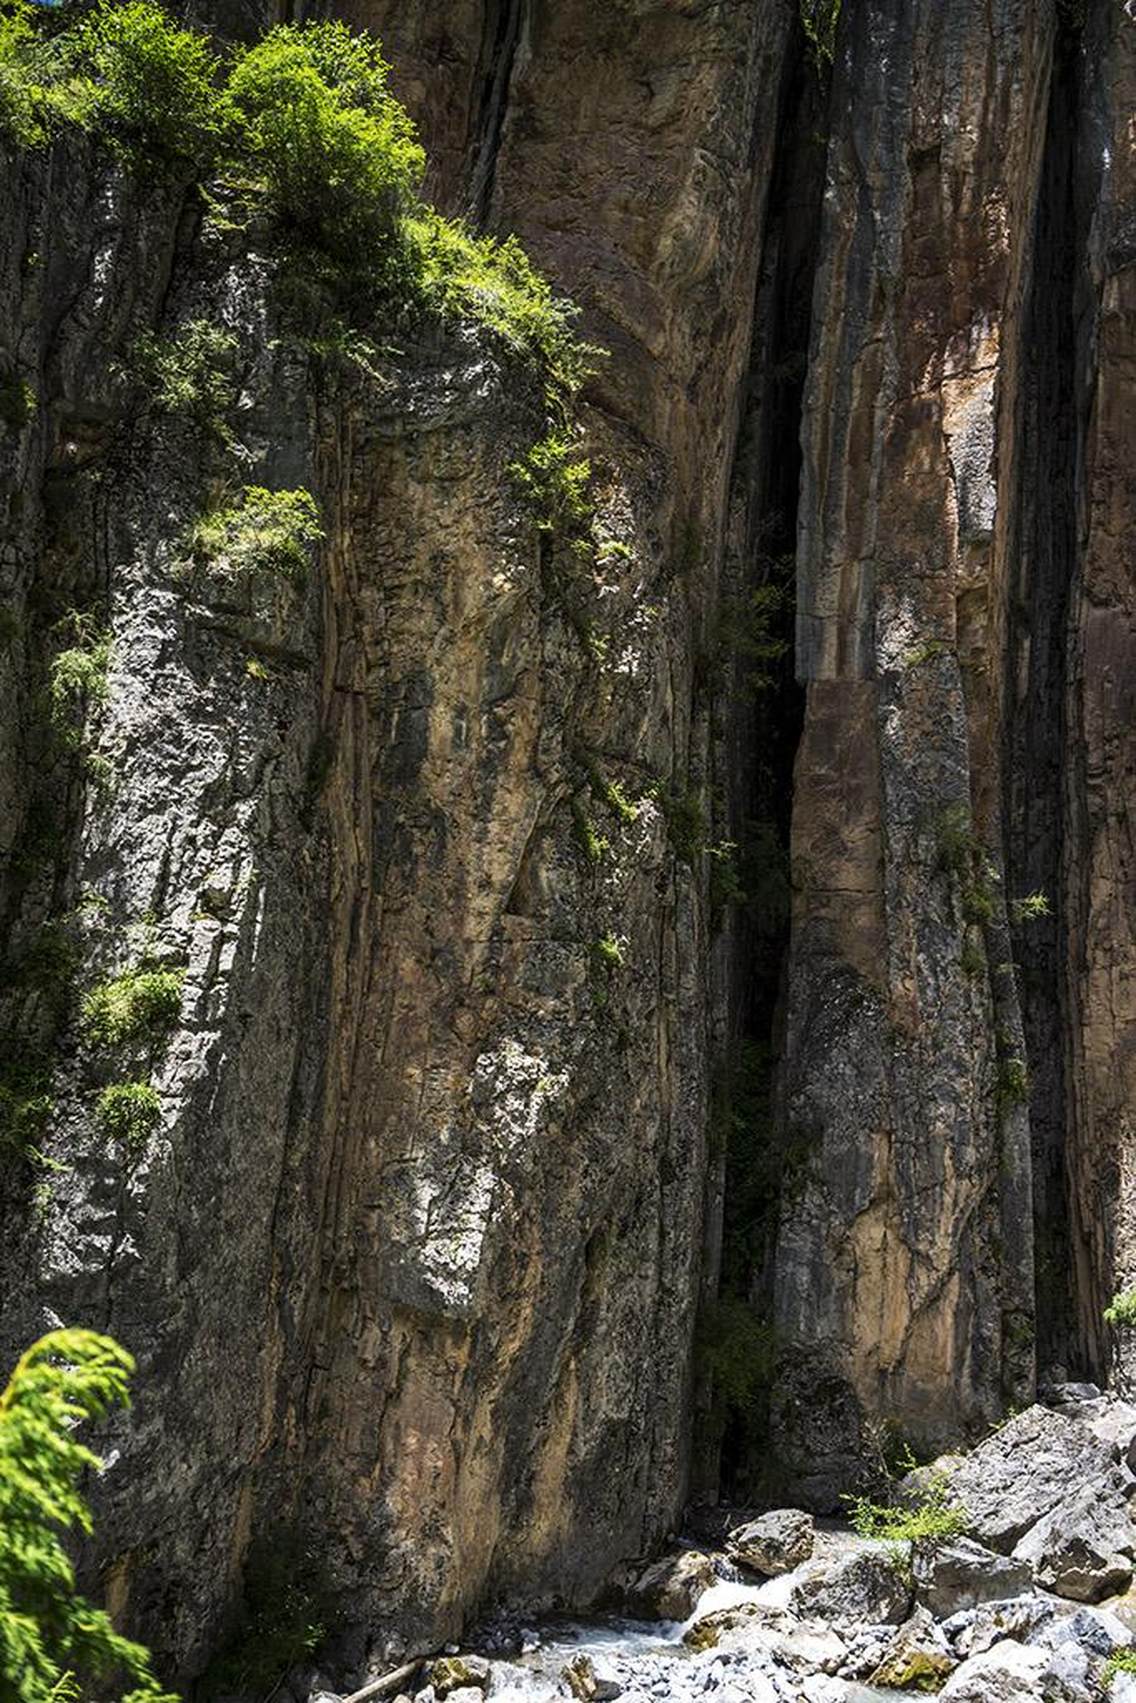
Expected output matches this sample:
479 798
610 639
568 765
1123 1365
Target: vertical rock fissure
1036 676
503 22
763 720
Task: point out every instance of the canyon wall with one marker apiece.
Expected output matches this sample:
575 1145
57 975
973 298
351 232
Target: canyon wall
451 1144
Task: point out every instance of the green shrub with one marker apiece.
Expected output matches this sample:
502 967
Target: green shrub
463 275
593 844
928 1519
50 1637
1121 1310
187 373
553 479
820 18
78 679
309 107
18 400
264 531
685 816
26 1108
150 86
612 794
1031 908
1120 1661
139 1003
608 953
129 1112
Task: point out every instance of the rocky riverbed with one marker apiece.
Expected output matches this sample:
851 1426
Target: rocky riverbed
1031 1603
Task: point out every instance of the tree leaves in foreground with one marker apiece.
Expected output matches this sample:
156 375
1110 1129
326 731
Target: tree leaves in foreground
51 1638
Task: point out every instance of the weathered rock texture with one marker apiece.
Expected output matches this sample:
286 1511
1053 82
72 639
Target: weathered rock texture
411 1264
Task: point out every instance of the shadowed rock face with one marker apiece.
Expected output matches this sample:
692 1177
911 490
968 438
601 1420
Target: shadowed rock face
412 1264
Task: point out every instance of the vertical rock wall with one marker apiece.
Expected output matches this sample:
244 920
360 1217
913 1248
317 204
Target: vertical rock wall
412 1261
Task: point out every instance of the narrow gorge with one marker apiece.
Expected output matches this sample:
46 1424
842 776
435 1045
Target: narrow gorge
566 879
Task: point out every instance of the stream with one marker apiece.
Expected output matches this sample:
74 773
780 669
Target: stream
649 1660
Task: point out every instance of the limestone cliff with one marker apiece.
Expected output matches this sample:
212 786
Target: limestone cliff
748 911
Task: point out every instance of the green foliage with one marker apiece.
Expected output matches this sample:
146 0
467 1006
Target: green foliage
1120 1661
18 400
284 1620
753 629
608 953
304 123
140 1003
609 792
593 845
554 478
962 855
50 1637
149 86
820 18
129 1112
925 652
78 678
310 109
685 816
923 1521
1121 1310
1030 908
26 1106
460 274
734 1348
264 531
187 373
21 94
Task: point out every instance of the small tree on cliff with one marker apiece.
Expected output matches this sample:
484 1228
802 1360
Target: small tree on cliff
51 1637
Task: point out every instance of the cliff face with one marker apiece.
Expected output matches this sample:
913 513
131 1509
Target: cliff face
412 1260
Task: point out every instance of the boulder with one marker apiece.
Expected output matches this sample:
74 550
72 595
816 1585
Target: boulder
1110 1420
959 1573
798 1644
451 1674
773 1543
867 1587
1006 1673
585 1684
917 1656
1021 1472
669 1589
1084 1547
1094 1629
974 1630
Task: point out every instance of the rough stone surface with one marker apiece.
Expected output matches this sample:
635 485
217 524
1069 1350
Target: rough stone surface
670 1588
1024 1470
773 1543
866 1586
1008 1672
960 1573
418 1246
1083 1548
916 1657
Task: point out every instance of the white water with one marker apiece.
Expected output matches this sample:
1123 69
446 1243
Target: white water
651 1664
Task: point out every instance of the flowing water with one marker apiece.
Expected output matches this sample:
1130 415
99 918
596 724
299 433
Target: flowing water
650 1663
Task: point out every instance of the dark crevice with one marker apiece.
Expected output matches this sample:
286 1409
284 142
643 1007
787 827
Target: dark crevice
763 720
1043 566
503 23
